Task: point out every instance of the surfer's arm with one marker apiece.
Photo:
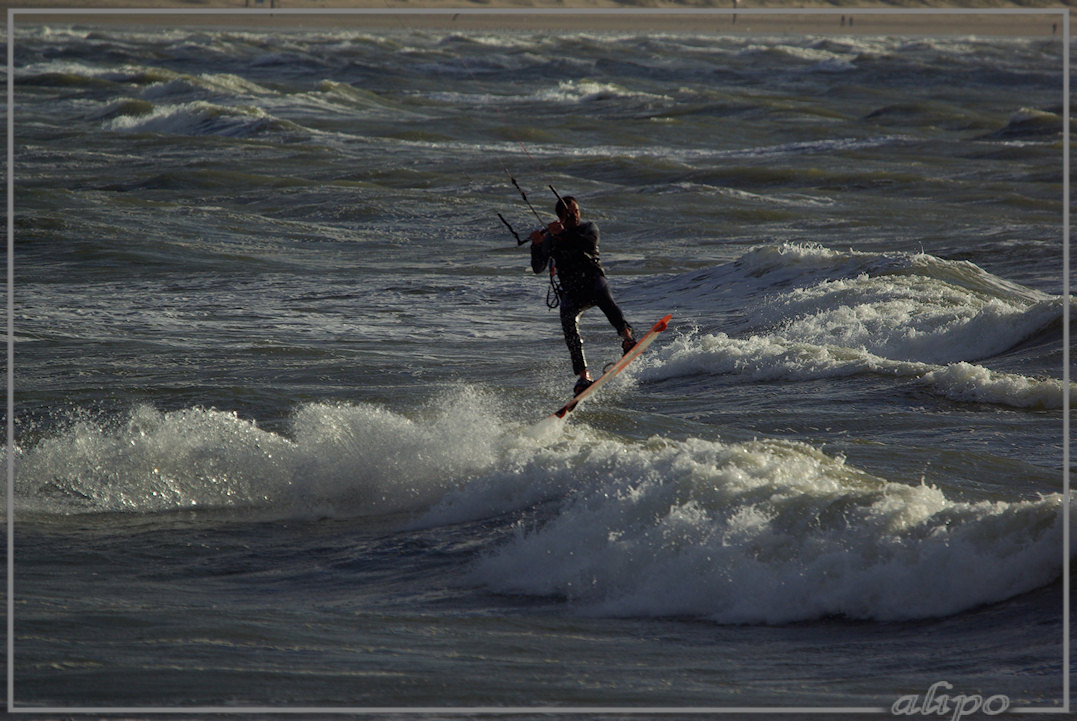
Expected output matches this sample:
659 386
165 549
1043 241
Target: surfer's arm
588 233
540 250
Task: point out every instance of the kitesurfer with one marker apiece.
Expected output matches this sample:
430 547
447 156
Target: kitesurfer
569 248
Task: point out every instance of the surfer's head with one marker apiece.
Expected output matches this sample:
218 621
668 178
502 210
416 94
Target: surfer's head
568 211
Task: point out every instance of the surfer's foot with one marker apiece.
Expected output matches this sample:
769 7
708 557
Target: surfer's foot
583 383
628 342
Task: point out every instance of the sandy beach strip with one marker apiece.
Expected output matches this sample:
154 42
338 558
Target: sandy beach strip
594 15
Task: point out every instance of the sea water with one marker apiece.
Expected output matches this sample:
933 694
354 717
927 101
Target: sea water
279 370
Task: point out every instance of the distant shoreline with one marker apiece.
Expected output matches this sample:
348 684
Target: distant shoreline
591 16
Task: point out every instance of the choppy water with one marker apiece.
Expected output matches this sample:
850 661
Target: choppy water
279 365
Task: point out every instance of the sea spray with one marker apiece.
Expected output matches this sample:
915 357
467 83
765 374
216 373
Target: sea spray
153 461
380 461
339 460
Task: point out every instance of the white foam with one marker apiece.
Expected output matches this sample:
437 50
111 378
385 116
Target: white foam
766 531
770 358
767 357
908 318
968 382
199 118
338 460
154 462
573 91
810 312
770 532
374 460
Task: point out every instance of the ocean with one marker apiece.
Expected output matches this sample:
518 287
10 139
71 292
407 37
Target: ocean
281 372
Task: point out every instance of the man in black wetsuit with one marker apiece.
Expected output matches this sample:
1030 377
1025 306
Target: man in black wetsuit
572 249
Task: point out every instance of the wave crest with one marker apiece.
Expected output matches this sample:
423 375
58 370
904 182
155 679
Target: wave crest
774 532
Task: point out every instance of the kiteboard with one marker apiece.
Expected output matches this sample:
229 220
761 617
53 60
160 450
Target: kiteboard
617 367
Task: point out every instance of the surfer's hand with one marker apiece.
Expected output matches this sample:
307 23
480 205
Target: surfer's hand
538 236
555 228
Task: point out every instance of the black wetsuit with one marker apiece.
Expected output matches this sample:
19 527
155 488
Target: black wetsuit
583 283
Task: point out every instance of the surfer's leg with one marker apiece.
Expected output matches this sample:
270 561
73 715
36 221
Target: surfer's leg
604 300
570 324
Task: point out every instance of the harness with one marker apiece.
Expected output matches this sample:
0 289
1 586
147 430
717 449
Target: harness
554 292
